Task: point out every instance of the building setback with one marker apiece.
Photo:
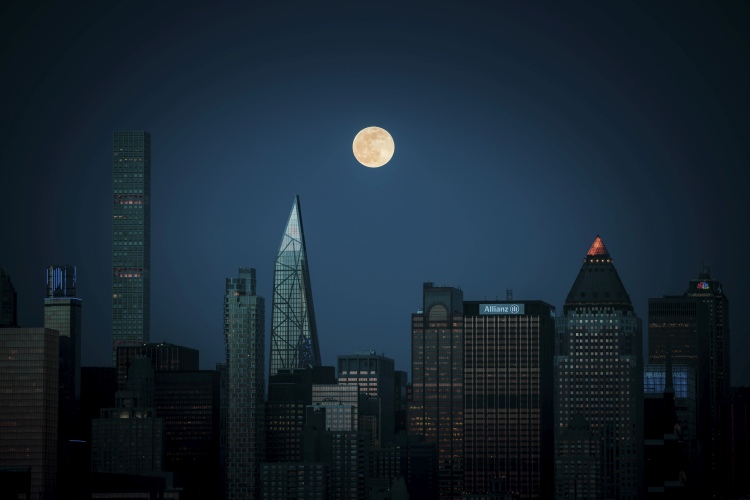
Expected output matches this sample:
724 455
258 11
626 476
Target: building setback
508 386
599 384
131 239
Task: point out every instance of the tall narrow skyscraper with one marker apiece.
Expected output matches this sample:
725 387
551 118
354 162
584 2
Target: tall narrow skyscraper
436 409
294 336
62 312
694 329
599 386
131 239
244 330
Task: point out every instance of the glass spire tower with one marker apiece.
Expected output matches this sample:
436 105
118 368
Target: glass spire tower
294 336
131 240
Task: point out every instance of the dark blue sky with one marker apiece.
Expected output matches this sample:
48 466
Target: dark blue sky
522 131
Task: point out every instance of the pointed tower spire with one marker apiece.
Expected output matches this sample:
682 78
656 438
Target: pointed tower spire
294 335
598 248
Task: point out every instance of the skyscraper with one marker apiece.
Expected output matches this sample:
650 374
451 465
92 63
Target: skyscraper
28 406
294 336
374 374
599 384
694 328
244 330
508 386
62 312
131 239
8 307
436 408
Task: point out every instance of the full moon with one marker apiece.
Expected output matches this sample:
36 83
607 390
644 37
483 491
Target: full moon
373 147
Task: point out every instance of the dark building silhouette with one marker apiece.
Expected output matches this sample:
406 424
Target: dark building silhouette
401 382
164 357
244 335
129 438
8 301
289 394
131 239
418 465
29 371
375 376
295 481
665 450
599 381
437 401
294 334
345 452
694 327
738 430
62 312
188 402
509 348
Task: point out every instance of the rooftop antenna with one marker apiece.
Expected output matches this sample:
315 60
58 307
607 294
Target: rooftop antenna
508 294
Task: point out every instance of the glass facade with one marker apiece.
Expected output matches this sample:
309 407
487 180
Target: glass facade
508 381
131 239
29 404
62 312
244 331
437 405
294 335
374 374
599 382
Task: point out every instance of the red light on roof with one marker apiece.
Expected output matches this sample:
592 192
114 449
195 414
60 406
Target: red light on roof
598 248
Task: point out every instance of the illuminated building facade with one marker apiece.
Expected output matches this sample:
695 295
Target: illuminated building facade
508 412
437 403
375 376
599 381
131 239
244 331
29 386
294 335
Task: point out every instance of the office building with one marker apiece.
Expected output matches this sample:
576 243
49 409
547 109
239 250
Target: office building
129 437
294 336
508 387
29 374
711 293
437 402
694 329
375 376
164 357
295 481
599 382
244 331
289 395
131 239
62 312
8 301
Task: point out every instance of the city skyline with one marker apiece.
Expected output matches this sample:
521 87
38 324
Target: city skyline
521 133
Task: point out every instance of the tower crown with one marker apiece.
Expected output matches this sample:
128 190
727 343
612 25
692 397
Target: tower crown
598 281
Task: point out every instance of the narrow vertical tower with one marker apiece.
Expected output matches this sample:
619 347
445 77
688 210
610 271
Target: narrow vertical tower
294 336
131 239
599 379
244 331
62 312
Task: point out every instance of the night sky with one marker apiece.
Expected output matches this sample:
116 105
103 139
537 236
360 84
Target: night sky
522 132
